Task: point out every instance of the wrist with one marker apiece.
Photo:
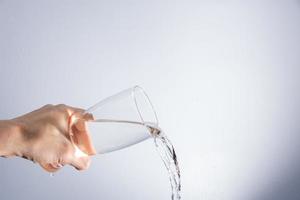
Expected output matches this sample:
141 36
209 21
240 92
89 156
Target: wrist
11 138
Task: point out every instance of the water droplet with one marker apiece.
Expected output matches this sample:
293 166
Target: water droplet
51 175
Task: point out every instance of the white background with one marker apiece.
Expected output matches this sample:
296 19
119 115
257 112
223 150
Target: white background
223 76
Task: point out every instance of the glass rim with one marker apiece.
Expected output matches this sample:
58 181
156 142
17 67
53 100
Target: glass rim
133 91
135 88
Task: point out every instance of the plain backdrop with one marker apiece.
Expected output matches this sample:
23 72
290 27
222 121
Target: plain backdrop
222 75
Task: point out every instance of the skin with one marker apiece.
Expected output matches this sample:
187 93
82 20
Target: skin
52 136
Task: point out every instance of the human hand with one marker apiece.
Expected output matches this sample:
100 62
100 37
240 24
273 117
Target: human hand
44 137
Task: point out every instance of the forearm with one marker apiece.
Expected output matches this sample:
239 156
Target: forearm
10 138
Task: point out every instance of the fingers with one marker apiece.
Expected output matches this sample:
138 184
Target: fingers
81 163
46 166
49 167
78 160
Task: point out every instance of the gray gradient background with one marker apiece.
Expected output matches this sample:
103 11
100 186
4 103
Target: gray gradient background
223 76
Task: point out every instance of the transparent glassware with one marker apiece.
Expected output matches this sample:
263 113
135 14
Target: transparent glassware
119 121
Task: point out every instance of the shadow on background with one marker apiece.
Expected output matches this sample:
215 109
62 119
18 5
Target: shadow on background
286 187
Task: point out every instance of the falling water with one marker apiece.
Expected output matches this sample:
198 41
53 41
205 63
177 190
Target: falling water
169 158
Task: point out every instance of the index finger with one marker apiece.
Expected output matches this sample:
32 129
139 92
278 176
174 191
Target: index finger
81 136
75 109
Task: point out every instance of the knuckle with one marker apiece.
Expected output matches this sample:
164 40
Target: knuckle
48 106
61 106
65 147
68 151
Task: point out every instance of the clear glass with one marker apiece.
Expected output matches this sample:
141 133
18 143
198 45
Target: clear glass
121 120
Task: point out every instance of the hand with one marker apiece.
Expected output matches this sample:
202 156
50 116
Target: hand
44 137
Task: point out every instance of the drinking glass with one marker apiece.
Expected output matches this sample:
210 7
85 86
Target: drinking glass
119 121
